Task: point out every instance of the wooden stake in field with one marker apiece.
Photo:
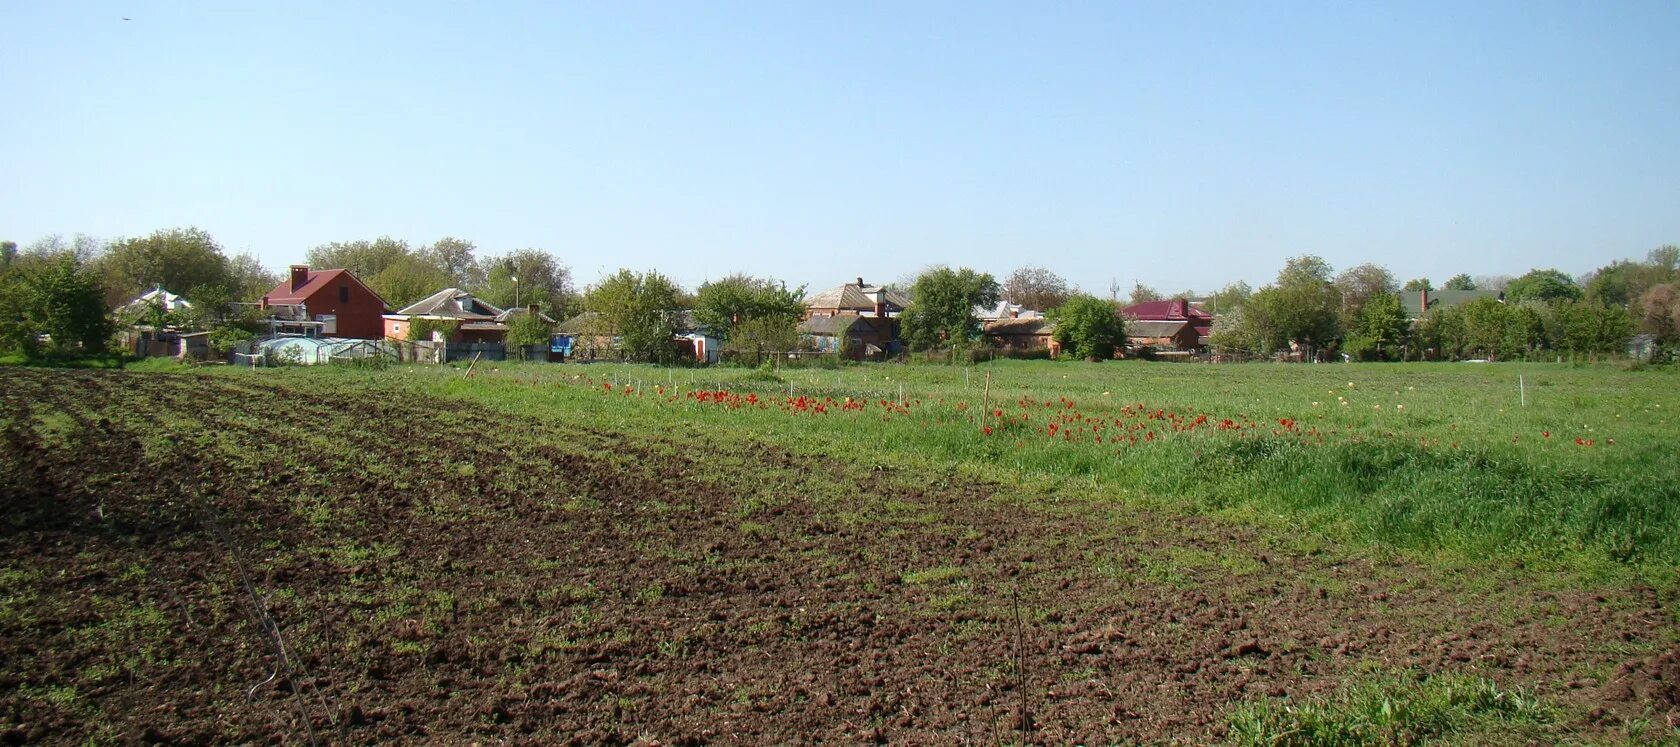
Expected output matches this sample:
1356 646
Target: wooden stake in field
474 362
1522 392
986 402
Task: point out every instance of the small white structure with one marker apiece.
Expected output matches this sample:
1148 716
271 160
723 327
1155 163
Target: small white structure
156 297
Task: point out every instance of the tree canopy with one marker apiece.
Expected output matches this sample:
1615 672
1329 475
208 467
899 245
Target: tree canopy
1089 327
187 261
56 296
641 309
1360 283
751 314
1035 287
1543 285
1460 282
942 314
542 279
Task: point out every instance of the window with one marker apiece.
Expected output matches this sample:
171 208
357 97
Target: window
344 294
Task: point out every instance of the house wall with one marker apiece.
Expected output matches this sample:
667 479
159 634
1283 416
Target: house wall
360 316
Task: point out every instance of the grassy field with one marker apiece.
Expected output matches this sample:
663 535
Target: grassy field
1018 552
1573 467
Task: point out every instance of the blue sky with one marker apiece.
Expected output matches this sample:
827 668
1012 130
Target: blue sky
1185 145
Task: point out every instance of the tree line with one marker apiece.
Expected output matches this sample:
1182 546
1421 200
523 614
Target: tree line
62 290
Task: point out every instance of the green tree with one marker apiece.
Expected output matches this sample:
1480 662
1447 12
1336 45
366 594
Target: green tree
1035 287
54 296
8 253
1417 284
751 314
943 312
1232 333
1228 299
247 277
1303 307
642 309
527 330
1460 282
1543 285
187 261
1593 329
1380 328
542 279
1089 327
1143 294
456 258
408 279
367 259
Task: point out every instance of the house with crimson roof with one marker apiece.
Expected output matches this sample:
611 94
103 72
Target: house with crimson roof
1175 322
324 303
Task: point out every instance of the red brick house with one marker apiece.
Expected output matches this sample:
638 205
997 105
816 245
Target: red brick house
325 303
864 317
1174 310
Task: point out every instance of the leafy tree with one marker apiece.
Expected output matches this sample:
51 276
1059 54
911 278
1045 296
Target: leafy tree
1143 294
751 314
54 296
1089 327
542 279
1417 284
1303 306
455 257
365 258
1233 333
81 247
1543 285
423 329
1380 327
1460 282
247 277
187 261
8 253
1593 329
408 279
1035 287
1228 299
943 311
1360 283
642 309
527 330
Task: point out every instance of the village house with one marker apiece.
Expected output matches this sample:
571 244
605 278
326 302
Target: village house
1177 310
1424 301
324 303
1023 335
1162 335
856 317
476 320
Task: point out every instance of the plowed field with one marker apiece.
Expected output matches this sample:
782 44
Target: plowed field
218 559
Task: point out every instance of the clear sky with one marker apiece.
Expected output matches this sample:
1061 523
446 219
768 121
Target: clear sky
1182 144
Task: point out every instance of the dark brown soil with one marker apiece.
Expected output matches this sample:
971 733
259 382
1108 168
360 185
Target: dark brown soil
211 560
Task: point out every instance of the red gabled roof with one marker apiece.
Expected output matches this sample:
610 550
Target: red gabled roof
318 279
1163 311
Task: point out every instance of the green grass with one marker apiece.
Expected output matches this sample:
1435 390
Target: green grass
1401 710
1433 459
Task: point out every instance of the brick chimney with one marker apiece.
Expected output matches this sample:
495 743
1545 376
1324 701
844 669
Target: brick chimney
880 302
860 282
300 275
1423 301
